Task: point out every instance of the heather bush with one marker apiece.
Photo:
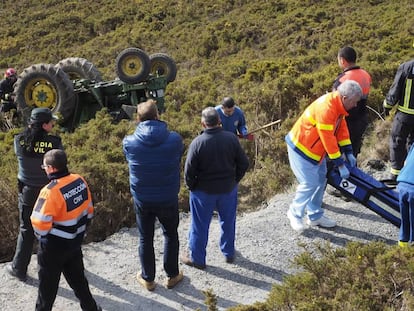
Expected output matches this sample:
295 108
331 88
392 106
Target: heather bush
371 276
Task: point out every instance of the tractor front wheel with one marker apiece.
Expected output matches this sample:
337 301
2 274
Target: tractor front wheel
163 65
132 65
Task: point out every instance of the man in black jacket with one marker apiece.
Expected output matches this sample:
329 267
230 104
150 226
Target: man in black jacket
214 166
402 131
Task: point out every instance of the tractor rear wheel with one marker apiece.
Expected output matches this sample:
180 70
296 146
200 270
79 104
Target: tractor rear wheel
45 86
163 65
132 65
79 68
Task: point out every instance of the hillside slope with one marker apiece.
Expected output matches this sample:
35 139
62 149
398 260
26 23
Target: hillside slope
226 44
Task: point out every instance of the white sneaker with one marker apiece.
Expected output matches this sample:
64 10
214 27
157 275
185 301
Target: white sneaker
324 222
295 222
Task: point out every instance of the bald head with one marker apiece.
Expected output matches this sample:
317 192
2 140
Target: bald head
147 111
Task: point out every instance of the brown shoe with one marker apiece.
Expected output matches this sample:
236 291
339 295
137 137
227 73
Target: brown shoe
185 259
171 282
148 285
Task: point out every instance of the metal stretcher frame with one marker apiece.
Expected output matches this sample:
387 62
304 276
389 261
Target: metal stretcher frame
365 189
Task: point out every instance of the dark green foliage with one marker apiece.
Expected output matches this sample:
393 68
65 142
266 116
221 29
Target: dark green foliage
258 306
210 300
8 194
360 277
370 276
95 151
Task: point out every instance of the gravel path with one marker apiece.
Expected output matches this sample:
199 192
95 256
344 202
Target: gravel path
265 246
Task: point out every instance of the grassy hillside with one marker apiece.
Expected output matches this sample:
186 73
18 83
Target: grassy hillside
273 57
270 55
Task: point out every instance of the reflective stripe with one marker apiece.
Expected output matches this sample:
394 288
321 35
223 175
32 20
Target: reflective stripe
408 85
41 232
344 142
405 105
41 217
302 148
405 110
67 235
321 126
90 210
72 222
403 244
308 115
326 127
386 105
334 155
394 171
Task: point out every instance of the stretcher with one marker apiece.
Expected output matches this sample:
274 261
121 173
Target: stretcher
365 189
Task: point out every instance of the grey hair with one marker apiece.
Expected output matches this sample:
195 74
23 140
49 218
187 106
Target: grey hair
350 89
56 158
210 116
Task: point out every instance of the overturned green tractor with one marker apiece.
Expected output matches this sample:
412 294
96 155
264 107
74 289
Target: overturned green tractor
74 90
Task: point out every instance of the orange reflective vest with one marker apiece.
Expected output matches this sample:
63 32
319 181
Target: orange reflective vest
321 130
359 75
63 208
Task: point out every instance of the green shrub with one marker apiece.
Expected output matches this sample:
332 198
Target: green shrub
370 276
8 193
95 151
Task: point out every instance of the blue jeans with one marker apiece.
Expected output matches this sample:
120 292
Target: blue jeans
406 200
202 206
167 214
312 182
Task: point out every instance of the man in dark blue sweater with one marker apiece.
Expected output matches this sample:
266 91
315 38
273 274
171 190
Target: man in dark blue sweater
214 166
